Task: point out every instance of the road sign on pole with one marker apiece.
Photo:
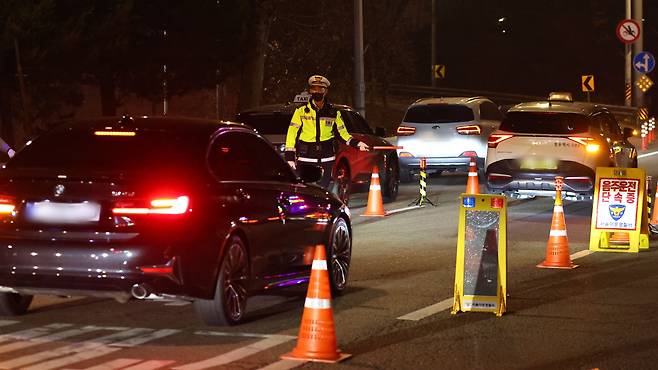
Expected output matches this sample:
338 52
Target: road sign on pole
587 83
628 31
644 62
439 71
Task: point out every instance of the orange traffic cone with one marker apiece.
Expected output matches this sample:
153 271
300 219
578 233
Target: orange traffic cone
375 206
557 248
317 336
472 185
620 238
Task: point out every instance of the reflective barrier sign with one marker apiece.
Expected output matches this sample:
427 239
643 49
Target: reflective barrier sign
481 269
619 212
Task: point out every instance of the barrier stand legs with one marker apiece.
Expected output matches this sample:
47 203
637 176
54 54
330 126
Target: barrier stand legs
422 198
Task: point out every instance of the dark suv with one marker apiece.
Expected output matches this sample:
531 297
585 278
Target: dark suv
353 168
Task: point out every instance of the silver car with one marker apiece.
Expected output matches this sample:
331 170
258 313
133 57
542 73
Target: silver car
447 132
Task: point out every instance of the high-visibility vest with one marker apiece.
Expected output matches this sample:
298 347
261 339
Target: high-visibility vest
311 133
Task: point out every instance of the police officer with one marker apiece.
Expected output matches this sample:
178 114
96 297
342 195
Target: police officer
312 131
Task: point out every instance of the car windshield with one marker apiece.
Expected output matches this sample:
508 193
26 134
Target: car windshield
545 123
436 113
75 148
267 123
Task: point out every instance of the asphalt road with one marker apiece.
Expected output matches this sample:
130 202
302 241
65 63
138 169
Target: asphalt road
600 315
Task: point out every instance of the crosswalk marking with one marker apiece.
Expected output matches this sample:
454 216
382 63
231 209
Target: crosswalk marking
8 322
223 359
118 339
119 363
150 365
46 338
103 349
32 332
86 346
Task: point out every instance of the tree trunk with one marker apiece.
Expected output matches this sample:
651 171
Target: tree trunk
108 94
253 72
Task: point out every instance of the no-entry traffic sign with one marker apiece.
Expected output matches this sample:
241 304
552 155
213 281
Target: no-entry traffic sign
628 31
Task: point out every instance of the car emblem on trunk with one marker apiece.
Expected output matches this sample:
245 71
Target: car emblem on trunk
59 190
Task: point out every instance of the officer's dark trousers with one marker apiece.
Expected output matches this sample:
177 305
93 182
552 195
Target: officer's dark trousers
327 168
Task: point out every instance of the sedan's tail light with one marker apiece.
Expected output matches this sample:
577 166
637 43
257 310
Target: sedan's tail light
495 139
7 205
405 131
469 130
590 144
157 206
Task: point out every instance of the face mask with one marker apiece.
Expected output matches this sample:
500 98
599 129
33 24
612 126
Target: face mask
317 96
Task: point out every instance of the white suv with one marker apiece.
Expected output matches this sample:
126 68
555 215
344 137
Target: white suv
448 132
558 137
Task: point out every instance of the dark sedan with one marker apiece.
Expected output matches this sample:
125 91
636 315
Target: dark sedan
162 207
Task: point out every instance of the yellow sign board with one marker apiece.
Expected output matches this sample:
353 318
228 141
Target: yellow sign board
587 83
481 268
619 214
439 71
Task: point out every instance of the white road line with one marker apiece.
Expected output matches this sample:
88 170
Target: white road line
283 365
150 365
271 341
428 311
178 303
8 322
46 339
401 210
580 254
447 303
114 364
102 350
647 154
89 346
32 333
249 335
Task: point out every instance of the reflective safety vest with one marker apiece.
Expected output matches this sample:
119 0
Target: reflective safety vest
311 134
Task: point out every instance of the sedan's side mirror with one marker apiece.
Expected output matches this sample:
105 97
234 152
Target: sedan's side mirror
628 132
380 131
309 172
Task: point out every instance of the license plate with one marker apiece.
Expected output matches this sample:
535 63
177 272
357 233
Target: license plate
62 213
539 164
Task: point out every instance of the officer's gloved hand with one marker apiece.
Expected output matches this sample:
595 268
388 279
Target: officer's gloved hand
292 165
363 146
11 153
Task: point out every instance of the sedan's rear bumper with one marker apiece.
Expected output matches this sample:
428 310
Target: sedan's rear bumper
38 267
505 177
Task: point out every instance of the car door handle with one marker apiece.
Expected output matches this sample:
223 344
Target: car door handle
436 127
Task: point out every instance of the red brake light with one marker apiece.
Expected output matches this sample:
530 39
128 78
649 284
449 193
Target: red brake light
495 139
469 130
159 206
405 131
7 205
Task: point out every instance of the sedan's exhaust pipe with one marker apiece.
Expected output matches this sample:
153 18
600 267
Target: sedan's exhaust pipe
140 291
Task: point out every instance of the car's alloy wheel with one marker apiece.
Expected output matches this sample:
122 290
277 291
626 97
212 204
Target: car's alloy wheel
13 304
230 301
343 183
340 255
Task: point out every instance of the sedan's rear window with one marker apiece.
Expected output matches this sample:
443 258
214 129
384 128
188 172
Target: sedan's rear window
437 113
545 123
267 123
75 148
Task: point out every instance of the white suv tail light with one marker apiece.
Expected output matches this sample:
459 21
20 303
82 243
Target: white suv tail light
469 130
590 144
405 131
495 139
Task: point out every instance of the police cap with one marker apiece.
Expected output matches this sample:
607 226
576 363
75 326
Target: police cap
317 80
